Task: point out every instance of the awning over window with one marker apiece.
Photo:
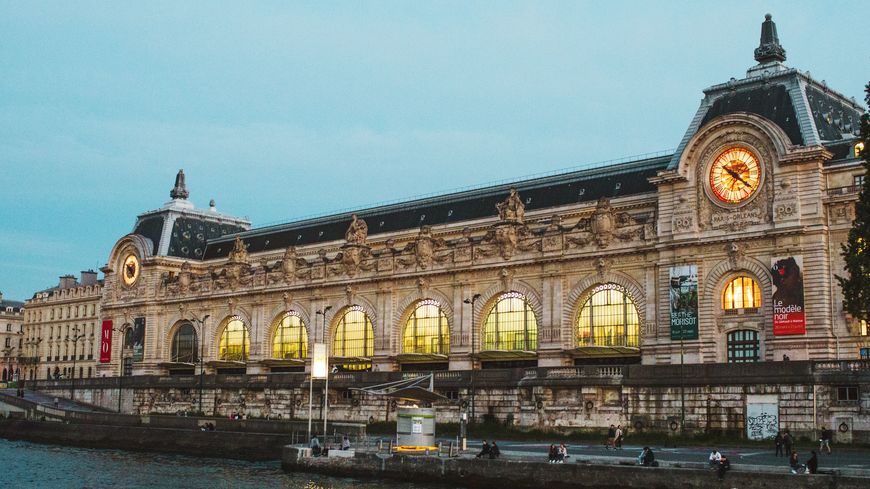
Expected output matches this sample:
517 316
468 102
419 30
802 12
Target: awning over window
604 351
506 355
420 357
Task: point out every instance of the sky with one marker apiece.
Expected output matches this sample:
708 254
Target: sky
280 110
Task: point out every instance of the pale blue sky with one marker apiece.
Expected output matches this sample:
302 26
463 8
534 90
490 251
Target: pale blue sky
279 110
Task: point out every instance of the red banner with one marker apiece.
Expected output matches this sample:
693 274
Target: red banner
788 296
106 342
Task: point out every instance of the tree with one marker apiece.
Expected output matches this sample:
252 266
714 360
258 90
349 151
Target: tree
856 250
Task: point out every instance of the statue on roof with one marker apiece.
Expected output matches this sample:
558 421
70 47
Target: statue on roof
239 253
512 208
180 189
357 232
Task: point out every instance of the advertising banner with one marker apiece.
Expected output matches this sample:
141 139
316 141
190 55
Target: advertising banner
320 362
684 302
137 339
106 342
788 296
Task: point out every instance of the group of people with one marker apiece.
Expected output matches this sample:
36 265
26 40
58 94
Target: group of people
614 437
785 441
317 450
487 450
811 467
207 427
558 454
720 463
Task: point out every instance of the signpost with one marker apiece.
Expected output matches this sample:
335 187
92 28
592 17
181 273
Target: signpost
319 370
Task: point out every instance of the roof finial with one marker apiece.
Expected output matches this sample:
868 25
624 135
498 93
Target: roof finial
180 189
769 49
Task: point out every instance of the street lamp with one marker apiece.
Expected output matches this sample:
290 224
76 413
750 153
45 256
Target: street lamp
121 330
326 386
201 323
472 301
75 339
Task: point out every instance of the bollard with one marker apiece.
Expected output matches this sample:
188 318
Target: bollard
391 445
380 445
439 448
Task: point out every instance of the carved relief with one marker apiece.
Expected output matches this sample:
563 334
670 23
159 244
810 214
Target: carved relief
605 224
357 232
512 208
425 250
842 212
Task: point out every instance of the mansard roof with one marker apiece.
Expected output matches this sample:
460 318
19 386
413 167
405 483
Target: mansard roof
618 180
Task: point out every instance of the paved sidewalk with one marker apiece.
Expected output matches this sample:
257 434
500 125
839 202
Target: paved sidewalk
43 399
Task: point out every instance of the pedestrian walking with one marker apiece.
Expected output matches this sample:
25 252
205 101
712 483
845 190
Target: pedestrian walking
611 434
617 437
787 442
825 440
778 442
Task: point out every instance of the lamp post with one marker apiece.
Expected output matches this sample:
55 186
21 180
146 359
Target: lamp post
326 386
472 301
201 323
120 364
75 339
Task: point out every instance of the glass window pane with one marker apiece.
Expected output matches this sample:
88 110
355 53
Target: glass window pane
235 343
426 330
184 345
608 318
741 293
511 325
291 338
354 337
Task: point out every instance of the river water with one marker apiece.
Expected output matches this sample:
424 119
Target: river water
34 466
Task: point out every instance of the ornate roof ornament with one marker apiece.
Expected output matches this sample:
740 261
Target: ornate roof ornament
769 49
357 232
239 254
512 208
180 189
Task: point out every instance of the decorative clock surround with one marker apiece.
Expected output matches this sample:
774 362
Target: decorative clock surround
735 175
130 269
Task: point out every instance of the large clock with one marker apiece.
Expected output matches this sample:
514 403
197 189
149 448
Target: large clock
130 270
735 175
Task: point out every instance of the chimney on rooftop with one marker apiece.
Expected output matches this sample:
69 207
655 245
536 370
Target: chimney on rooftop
89 277
67 281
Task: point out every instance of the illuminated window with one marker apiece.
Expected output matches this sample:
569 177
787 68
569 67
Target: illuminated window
743 346
741 293
235 343
426 330
184 345
291 339
354 337
859 148
608 318
511 324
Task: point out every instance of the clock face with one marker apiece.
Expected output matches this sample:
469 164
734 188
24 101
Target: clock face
735 175
130 270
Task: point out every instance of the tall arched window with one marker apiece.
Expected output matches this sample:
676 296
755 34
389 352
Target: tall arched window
426 330
235 343
741 293
291 338
511 324
354 337
184 344
743 346
608 318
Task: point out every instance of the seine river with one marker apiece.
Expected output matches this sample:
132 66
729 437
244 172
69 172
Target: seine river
32 466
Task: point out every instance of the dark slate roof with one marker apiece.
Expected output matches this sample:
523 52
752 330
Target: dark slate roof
151 228
540 193
832 116
842 150
15 305
771 101
189 236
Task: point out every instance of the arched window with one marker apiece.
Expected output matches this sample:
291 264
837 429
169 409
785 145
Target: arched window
291 339
743 346
511 324
184 344
608 318
235 343
741 293
426 330
354 337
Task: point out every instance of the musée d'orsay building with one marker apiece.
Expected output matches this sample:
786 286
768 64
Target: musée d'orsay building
725 250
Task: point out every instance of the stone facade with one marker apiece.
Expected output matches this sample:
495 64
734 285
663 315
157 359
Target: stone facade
624 228
11 342
62 329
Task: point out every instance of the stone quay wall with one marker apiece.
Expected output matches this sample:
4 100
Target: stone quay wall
711 398
498 474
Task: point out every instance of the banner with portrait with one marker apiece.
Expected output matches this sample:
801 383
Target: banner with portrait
137 339
684 302
788 295
106 342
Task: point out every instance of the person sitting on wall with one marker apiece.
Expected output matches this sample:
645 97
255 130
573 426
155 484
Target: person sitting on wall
813 463
494 451
315 446
484 451
345 443
724 466
649 458
551 456
715 458
794 463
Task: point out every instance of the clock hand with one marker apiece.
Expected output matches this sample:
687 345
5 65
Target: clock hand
736 175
